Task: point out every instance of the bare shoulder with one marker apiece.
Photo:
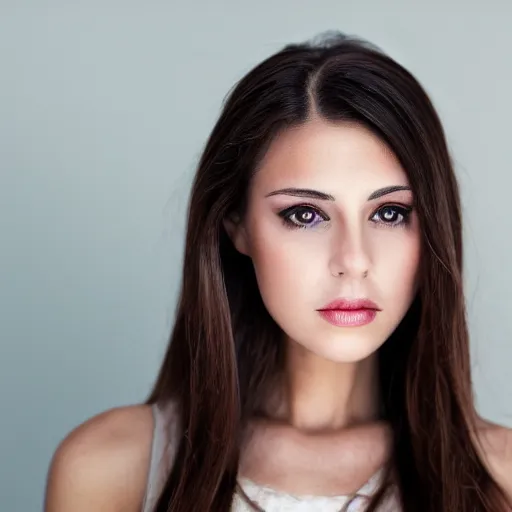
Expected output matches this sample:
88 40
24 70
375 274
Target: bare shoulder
496 449
102 465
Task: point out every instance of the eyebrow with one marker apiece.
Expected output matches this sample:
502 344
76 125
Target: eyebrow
387 190
302 192
315 194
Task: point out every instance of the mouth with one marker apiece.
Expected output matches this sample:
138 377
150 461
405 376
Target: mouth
349 312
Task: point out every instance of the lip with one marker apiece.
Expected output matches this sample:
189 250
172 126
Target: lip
350 305
349 312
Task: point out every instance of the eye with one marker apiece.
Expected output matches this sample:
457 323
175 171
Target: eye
302 216
392 215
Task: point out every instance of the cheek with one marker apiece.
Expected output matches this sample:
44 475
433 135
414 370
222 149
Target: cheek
287 263
398 262
284 259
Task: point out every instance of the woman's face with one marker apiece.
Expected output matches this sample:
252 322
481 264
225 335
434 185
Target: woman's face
330 217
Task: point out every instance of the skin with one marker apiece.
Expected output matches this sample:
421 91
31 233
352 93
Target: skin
331 368
322 436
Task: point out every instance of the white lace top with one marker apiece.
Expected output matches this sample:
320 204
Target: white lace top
268 499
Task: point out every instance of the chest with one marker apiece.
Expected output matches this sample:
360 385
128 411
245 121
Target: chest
313 465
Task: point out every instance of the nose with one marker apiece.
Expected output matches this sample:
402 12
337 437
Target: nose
350 256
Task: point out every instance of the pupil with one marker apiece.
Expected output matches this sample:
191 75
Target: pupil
389 214
306 216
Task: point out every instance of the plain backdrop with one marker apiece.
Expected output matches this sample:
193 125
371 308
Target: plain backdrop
104 109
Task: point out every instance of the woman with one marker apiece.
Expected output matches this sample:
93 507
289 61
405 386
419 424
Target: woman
319 358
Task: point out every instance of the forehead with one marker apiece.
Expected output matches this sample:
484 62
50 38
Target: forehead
331 157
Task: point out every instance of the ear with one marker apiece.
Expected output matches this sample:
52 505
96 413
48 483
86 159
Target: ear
235 229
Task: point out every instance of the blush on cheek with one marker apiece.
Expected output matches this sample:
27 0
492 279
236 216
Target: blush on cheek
275 264
291 260
408 272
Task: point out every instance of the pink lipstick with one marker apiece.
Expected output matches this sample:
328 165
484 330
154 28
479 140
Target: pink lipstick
349 312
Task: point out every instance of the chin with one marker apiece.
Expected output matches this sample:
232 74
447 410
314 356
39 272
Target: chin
344 349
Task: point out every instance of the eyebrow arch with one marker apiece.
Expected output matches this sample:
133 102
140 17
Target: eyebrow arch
302 192
387 190
315 194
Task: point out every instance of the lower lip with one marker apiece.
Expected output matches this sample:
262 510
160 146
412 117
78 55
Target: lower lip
348 317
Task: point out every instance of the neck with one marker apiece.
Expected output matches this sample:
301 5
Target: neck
323 395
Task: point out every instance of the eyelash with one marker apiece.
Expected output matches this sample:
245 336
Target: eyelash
288 213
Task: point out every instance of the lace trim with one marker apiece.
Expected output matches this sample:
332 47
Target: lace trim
258 497
266 497
365 491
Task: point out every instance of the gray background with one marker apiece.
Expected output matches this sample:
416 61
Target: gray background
104 109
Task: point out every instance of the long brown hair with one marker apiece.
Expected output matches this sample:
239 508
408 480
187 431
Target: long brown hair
225 353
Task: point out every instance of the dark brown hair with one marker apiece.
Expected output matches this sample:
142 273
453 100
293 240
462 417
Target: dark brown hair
225 353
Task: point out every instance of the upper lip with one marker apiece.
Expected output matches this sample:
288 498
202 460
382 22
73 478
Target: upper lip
350 304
